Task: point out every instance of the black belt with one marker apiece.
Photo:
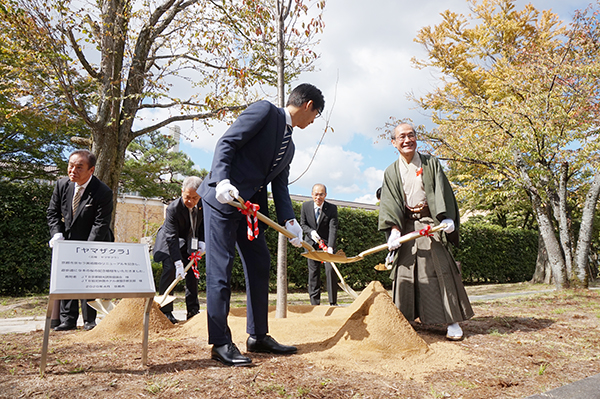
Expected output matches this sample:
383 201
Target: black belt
417 212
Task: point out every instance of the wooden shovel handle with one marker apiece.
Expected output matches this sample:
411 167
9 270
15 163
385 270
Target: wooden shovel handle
271 223
405 238
174 283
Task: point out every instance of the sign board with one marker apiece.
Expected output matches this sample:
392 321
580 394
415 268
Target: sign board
94 269
97 268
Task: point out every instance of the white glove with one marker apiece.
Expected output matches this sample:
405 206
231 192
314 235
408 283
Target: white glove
315 236
56 237
179 272
450 228
330 250
294 227
226 192
201 248
394 240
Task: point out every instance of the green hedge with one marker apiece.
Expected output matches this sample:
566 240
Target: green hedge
487 253
492 254
24 235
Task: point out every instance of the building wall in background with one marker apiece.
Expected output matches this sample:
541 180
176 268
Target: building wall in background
138 219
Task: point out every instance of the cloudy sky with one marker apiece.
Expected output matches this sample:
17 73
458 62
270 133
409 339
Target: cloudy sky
365 74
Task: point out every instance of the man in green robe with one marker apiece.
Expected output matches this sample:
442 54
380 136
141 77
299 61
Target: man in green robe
416 194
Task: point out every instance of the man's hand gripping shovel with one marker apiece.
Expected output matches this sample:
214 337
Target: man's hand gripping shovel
340 256
311 254
165 298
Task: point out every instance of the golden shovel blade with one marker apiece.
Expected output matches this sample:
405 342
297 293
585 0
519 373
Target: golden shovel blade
323 256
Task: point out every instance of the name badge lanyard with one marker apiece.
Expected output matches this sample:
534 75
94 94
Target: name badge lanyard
194 238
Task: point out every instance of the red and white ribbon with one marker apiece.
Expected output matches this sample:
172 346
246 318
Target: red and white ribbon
250 211
195 257
426 232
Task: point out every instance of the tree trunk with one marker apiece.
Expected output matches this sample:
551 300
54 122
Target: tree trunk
543 272
585 232
559 206
110 160
555 255
281 305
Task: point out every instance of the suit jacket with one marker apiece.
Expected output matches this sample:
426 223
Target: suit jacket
245 155
91 222
326 226
174 236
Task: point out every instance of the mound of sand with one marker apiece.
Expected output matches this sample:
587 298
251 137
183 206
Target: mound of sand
371 335
126 322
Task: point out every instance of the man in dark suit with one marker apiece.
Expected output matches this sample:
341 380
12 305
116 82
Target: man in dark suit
181 234
80 209
319 221
256 150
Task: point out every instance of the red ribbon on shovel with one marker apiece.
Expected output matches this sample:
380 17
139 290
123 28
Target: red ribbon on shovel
250 212
195 257
426 232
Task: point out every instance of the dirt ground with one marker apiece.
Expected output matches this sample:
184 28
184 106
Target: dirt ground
513 347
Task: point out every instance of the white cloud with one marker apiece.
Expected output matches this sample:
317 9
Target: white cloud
365 73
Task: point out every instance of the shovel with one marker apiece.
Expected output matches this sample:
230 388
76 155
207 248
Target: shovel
342 282
102 306
165 298
311 254
340 256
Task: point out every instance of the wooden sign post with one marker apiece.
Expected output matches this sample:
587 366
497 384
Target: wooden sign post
94 269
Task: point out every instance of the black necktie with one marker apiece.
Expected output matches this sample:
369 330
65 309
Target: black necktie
194 220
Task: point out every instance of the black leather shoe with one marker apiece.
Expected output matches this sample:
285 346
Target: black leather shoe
171 318
229 355
191 314
89 325
269 345
65 327
54 323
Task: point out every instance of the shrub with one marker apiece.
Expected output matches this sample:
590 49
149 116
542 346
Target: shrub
24 236
487 252
491 254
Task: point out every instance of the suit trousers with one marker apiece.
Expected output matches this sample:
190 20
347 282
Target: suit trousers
192 303
314 282
69 311
223 233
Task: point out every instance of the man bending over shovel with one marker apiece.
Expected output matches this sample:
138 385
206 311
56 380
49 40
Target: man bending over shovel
255 151
416 194
181 234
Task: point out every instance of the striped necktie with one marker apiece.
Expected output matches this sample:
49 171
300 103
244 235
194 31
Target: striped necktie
317 214
284 145
77 198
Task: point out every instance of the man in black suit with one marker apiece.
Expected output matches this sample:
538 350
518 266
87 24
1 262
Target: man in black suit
319 221
256 150
80 209
181 234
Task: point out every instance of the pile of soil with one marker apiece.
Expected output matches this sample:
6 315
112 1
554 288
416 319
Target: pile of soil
371 335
